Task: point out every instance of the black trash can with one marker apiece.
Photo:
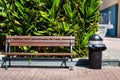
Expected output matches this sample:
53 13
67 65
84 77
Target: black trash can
96 47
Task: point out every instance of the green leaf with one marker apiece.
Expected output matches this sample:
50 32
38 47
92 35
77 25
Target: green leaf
66 26
21 10
15 14
26 17
2 24
44 14
68 10
16 22
50 29
3 14
54 8
11 30
22 2
19 29
37 0
39 33
27 10
82 7
30 28
19 5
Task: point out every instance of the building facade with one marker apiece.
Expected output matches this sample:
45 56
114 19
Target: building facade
112 8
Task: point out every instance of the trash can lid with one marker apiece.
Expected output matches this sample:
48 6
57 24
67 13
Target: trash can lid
95 37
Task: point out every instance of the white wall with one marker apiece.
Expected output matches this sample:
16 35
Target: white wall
108 3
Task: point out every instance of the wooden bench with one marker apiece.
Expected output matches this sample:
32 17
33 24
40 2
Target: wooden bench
37 41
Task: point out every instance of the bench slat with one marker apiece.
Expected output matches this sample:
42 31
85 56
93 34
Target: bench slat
39 44
41 37
45 41
35 54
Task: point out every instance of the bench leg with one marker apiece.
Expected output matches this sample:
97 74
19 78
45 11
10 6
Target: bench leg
9 62
6 67
71 65
6 58
2 65
64 62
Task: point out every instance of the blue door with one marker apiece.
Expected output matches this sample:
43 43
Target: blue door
114 20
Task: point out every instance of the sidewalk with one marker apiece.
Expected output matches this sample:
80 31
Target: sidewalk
113 48
79 73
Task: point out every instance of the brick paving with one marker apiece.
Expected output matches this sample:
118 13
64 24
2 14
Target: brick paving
79 73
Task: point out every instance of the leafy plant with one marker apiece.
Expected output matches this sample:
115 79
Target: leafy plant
50 18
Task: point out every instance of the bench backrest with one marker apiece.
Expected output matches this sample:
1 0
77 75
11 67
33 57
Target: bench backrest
40 40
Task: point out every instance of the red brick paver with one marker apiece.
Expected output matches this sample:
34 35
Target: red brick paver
79 73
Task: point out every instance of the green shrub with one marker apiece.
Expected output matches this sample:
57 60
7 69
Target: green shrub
79 18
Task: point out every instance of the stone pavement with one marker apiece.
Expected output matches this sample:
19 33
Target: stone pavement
113 48
79 73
